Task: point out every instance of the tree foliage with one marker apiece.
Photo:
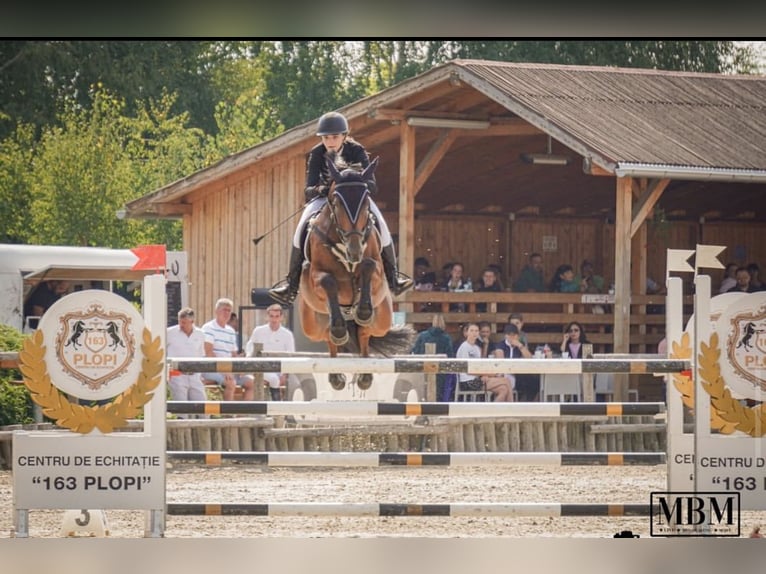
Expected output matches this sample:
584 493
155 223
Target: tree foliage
86 126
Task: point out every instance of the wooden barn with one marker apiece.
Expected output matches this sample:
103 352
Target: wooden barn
486 162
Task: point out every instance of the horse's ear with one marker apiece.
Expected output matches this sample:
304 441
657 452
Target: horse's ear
334 173
370 169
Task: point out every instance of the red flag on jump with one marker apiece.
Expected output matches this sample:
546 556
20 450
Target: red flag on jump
149 257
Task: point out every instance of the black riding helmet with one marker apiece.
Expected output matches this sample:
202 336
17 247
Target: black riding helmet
332 123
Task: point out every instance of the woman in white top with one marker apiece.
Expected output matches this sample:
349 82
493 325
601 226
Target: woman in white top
469 349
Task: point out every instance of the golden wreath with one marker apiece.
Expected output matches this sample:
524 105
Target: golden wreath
727 414
83 419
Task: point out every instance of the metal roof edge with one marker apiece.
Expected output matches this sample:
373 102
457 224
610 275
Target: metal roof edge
699 173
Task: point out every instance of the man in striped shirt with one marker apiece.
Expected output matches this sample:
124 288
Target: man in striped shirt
221 341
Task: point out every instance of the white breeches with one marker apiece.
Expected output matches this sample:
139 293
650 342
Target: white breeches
316 204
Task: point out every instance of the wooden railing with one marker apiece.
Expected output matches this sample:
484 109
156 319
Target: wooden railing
545 315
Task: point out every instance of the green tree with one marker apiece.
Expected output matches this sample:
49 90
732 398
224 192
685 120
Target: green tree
16 153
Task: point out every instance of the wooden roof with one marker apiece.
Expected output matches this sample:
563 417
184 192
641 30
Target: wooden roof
705 132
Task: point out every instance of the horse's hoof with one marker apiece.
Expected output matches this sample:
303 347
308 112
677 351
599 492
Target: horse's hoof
339 336
363 316
337 381
364 381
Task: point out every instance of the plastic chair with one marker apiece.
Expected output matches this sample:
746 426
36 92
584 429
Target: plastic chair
564 387
472 396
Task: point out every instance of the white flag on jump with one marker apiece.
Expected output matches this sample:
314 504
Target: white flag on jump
707 256
678 260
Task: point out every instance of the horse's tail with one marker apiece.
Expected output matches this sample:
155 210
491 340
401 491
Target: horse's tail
397 341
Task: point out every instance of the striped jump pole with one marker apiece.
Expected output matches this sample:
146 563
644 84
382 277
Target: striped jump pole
376 459
488 366
372 408
470 509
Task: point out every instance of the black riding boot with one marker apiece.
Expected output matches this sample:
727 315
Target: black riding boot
285 291
397 282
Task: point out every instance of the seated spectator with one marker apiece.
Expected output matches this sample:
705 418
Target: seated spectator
588 281
273 336
500 387
755 278
185 340
425 279
489 282
518 320
513 346
574 338
456 283
729 278
436 334
563 280
445 276
221 341
485 337
531 277
743 282
43 297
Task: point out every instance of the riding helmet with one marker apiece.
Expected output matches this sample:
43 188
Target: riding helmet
332 123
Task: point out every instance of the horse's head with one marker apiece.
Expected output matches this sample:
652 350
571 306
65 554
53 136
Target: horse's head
349 201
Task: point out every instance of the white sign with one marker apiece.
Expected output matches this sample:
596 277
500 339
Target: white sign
69 471
728 463
93 344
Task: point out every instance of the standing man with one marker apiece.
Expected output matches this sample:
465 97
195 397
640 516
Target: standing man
186 340
221 341
274 337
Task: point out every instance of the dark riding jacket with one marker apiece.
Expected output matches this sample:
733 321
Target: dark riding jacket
318 175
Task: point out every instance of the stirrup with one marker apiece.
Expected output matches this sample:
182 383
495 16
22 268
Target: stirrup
401 283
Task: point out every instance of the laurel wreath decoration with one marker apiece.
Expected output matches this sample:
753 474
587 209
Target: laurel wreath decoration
83 419
727 414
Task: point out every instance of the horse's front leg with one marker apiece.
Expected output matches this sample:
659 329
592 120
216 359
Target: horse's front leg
364 380
337 380
364 308
337 327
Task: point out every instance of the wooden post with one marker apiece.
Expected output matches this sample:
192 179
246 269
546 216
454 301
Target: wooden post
588 392
430 377
259 392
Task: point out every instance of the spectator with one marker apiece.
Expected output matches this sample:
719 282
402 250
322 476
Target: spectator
755 532
489 283
274 337
518 320
469 349
588 281
221 341
436 334
755 278
446 272
43 297
186 340
456 283
527 386
531 277
234 324
743 282
574 338
425 279
729 278
563 280
485 338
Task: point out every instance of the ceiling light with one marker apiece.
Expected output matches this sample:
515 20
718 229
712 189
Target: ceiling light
447 123
548 158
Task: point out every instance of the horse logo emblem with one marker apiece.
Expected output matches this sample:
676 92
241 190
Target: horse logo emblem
95 346
744 360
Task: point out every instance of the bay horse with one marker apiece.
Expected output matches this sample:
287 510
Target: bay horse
345 300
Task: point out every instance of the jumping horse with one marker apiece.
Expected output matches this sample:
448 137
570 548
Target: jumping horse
345 300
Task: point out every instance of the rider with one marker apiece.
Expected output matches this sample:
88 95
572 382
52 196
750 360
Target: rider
333 129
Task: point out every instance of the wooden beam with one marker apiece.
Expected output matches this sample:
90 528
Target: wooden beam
406 199
647 199
622 260
435 154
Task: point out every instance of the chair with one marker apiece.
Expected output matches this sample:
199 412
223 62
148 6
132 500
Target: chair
472 396
603 384
564 387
